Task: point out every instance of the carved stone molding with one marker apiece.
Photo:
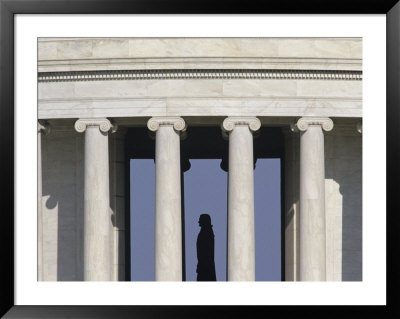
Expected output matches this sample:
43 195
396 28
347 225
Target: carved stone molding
304 122
178 123
43 127
229 74
104 125
231 122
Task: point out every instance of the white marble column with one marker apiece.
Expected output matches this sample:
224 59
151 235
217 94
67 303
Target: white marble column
312 198
168 223
42 128
97 214
241 249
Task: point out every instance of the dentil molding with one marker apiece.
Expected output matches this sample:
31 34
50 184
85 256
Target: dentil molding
71 76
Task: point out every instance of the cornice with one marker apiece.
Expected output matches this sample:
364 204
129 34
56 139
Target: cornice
199 63
228 74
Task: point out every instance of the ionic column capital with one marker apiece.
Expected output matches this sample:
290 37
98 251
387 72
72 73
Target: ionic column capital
231 122
43 127
103 124
177 122
305 122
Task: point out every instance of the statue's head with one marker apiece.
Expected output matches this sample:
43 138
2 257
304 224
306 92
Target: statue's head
205 220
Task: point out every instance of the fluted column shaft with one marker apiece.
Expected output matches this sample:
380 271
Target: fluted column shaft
168 223
97 215
42 128
312 198
241 247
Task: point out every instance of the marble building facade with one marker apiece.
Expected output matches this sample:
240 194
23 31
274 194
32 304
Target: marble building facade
92 92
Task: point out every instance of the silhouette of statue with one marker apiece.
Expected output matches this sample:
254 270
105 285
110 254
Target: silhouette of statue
205 250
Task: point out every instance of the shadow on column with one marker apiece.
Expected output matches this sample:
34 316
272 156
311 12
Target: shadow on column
62 207
344 167
205 250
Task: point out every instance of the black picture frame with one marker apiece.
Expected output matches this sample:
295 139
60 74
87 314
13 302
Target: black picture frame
8 8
